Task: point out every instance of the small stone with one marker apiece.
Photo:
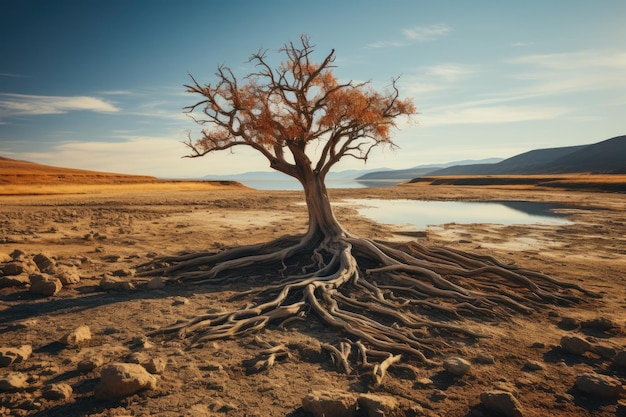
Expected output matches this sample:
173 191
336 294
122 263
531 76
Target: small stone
501 402
330 403
155 365
179 301
89 363
574 344
123 273
120 380
534 366
45 263
424 383
78 337
68 275
569 323
538 345
112 283
18 255
44 285
620 359
484 359
57 392
599 385
156 283
137 357
9 356
378 405
438 395
456 366
14 381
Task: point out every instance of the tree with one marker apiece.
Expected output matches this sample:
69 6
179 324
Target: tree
386 299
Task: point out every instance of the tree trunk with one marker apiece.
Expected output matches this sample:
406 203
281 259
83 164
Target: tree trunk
322 221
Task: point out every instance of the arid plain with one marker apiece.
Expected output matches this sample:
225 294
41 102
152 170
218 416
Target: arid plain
102 230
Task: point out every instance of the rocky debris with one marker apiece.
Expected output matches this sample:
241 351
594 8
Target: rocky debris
599 385
118 380
13 381
620 359
13 268
68 275
109 282
484 359
123 273
9 356
89 363
78 337
44 285
57 392
45 263
18 255
330 403
575 344
456 366
21 280
502 402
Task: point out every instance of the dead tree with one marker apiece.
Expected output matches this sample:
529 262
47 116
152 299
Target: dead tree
386 300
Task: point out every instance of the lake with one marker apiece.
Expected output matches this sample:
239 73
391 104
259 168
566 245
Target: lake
289 184
421 214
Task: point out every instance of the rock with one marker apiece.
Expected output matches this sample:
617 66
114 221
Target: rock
378 405
603 324
574 344
155 365
44 285
424 383
112 283
78 337
599 385
68 275
20 280
605 352
156 283
118 380
89 363
569 323
12 268
57 392
45 263
123 273
456 366
501 402
5 257
180 301
485 359
620 359
13 381
9 356
18 255
534 366
330 403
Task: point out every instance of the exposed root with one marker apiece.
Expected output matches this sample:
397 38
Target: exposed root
390 301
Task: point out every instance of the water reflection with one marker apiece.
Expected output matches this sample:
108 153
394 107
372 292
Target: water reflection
422 214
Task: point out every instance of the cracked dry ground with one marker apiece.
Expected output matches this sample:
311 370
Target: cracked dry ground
110 233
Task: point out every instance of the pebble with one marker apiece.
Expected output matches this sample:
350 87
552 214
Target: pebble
57 392
78 337
534 366
456 366
485 359
501 402
118 380
574 344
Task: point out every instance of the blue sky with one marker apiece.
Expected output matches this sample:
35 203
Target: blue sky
98 84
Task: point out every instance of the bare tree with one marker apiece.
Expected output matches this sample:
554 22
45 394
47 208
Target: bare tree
386 299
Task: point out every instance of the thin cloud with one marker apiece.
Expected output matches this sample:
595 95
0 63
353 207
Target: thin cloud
31 105
8 74
426 33
489 115
415 34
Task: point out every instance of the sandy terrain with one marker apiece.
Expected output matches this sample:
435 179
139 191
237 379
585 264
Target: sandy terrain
112 230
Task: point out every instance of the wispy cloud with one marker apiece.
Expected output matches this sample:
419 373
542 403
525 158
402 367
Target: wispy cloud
415 34
426 33
464 114
23 104
10 75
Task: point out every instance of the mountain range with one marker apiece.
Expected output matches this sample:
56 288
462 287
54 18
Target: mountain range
605 157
